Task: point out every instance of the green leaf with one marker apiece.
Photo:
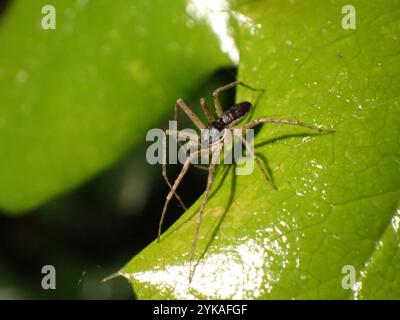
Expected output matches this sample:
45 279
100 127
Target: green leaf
75 99
337 202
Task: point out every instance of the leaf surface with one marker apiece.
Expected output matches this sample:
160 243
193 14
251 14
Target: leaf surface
337 202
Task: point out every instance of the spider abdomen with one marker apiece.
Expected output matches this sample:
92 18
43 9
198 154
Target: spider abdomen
234 113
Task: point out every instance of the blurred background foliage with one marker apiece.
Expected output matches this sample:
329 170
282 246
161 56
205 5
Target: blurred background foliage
76 191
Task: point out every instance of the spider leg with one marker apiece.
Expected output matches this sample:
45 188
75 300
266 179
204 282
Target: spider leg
217 102
191 115
257 122
180 104
164 171
210 180
193 138
173 190
258 162
206 110
201 167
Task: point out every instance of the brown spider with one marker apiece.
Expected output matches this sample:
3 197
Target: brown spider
214 137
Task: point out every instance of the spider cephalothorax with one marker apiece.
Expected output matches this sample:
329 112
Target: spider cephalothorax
212 137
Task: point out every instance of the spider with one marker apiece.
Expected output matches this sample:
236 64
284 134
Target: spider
214 137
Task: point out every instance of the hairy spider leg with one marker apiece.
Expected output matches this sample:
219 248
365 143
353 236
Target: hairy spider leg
164 169
173 190
192 116
217 102
206 110
193 138
259 121
215 153
180 104
258 162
